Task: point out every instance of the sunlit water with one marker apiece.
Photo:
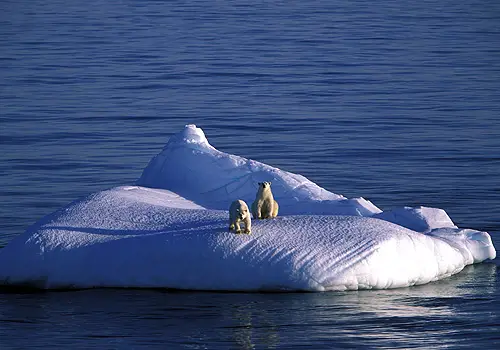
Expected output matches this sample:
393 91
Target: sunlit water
396 102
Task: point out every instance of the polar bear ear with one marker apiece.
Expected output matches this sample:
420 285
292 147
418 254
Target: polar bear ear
259 183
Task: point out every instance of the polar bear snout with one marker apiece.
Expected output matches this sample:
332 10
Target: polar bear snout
241 213
265 184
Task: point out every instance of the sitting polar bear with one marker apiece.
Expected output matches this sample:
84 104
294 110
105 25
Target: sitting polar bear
264 206
238 211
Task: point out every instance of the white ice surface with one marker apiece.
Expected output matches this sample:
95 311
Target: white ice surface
176 237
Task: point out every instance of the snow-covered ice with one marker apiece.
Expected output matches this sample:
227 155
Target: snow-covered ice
170 230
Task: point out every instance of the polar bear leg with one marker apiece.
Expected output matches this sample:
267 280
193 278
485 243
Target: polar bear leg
257 210
275 210
238 228
267 210
248 226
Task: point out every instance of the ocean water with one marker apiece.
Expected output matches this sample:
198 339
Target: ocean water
394 101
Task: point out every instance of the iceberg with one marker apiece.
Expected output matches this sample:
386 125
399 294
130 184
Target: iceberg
170 230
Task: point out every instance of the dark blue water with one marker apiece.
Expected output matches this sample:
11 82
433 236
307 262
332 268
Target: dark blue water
394 101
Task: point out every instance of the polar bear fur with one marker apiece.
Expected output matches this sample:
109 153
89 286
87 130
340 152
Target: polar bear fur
238 212
264 206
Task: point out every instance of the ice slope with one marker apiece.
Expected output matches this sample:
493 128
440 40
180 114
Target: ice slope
176 237
191 167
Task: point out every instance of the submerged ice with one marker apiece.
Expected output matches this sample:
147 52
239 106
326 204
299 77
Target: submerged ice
169 230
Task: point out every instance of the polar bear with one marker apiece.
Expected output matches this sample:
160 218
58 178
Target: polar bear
264 206
238 211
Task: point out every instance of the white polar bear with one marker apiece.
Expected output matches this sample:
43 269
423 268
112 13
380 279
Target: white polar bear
238 211
264 206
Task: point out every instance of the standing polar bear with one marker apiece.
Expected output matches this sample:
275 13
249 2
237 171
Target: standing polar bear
264 206
238 212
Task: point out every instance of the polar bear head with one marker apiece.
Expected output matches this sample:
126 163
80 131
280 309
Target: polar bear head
264 185
241 210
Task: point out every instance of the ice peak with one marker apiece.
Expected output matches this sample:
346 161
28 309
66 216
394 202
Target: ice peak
190 135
